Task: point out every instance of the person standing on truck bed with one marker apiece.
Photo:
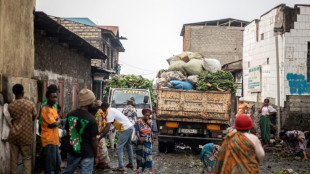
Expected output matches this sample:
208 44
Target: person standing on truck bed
121 123
243 106
241 151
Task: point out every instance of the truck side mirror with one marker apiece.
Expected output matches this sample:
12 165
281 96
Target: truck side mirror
146 99
105 99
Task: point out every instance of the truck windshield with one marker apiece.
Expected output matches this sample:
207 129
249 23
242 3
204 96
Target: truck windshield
120 97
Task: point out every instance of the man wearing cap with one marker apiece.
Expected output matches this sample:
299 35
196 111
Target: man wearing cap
241 151
82 131
121 123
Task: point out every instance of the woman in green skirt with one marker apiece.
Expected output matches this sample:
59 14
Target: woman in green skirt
264 122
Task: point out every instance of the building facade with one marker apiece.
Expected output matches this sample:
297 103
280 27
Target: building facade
276 62
62 58
104 38
219 39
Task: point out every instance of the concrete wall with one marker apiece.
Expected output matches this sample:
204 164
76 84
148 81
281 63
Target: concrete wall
259 46
16 37
296 113
57 63
222 43
296 46
292 49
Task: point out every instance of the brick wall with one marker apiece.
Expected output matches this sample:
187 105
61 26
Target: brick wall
92 35
57 62
222 43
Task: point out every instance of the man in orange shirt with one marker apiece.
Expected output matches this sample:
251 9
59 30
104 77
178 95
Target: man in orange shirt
49 134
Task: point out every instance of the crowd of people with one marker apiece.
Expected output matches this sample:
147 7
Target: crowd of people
241 150
81 136
84 134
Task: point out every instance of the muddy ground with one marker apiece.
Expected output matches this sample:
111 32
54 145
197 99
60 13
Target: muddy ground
187 162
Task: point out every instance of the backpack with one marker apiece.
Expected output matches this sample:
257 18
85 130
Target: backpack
76 128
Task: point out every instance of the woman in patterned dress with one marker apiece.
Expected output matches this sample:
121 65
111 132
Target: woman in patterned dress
294 142
144 128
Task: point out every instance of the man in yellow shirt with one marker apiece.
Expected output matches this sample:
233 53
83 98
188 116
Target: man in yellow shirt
49 134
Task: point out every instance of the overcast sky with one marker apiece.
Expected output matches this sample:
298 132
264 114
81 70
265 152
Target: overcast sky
153 27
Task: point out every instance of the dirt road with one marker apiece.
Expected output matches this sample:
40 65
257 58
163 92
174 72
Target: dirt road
187 162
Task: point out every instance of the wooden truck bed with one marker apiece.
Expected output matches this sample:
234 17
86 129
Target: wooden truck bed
193 106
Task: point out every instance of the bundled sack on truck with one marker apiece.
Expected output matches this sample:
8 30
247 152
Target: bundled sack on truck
177 84
212 65
161 82
193 67
184 57
192 55
173 59
177 66
193 79
173 75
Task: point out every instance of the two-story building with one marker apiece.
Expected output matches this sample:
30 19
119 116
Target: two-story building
104 38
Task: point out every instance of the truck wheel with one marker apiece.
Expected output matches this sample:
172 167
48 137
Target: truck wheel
170 147
162 146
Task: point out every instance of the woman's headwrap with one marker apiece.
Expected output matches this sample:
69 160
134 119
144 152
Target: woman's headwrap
146 110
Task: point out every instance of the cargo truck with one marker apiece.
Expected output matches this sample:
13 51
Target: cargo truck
191 117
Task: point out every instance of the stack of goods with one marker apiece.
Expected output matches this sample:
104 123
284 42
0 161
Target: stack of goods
130 81
192 71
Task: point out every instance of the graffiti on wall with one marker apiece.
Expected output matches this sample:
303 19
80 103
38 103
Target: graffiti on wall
298 84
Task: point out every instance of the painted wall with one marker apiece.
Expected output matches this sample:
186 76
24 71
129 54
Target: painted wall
259 46
296 55
16 37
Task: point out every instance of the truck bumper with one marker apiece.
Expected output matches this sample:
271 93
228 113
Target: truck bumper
171 139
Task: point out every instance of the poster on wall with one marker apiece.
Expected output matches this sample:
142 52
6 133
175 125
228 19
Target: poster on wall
254 79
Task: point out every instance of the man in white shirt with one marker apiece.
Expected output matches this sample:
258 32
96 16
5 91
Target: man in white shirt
121 123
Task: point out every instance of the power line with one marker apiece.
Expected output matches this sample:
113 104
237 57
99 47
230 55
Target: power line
137 67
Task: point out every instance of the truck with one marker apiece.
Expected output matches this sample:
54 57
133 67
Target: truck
118 98
191 117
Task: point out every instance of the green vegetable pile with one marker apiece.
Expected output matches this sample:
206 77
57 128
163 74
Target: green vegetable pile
131 81
222 80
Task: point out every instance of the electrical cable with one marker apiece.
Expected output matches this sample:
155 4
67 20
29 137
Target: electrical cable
137 67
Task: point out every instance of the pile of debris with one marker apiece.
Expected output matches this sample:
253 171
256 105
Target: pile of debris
192 71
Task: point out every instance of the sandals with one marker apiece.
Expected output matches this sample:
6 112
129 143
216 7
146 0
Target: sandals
118 169
129 166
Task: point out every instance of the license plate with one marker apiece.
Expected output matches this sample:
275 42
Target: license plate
189 131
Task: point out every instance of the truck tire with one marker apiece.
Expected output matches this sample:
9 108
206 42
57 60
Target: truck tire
162 146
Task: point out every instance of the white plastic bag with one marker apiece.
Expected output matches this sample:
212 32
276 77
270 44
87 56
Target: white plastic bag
212 65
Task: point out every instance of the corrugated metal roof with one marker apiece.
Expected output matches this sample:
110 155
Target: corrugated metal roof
85 21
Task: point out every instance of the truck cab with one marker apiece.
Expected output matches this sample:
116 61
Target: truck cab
118 99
